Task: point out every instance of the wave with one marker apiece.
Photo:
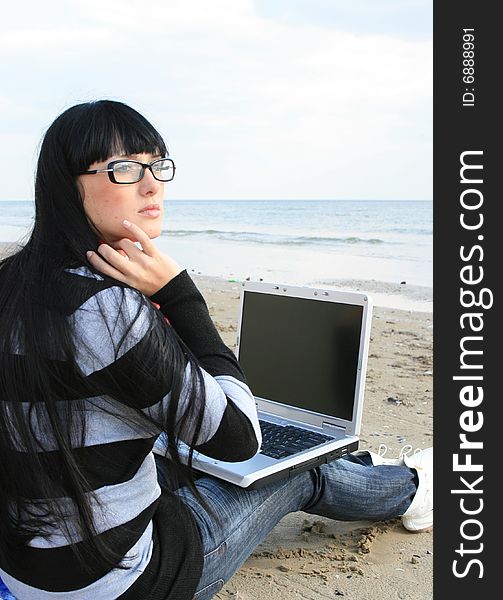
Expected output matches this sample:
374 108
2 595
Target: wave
271 238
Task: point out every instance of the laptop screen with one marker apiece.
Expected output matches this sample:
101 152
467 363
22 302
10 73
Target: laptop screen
301 352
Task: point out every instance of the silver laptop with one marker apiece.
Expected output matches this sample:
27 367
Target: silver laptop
304 353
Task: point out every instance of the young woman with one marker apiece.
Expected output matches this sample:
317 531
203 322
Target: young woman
105 343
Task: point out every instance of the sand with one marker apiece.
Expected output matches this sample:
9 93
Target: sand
315 558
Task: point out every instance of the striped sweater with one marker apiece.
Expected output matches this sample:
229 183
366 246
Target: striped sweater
149 525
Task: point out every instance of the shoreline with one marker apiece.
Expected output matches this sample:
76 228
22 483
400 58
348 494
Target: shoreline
409 298
400 296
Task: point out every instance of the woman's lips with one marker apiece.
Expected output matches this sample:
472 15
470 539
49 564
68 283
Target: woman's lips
153 210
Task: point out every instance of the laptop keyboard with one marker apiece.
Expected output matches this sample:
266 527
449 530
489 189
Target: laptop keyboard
279 441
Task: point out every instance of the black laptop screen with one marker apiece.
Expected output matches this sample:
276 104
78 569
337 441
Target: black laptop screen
301 352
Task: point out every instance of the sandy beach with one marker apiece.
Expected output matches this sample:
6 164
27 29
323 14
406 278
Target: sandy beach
315 558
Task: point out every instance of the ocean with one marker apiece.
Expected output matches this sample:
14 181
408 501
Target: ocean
382 247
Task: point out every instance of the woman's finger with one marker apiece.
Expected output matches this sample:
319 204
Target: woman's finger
146 243
127 248
104 267
115 259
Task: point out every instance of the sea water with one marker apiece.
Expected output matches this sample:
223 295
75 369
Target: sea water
384 247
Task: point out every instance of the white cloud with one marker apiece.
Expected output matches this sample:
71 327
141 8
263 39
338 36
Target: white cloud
220 80
57 38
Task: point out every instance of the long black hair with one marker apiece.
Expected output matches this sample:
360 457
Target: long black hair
33 393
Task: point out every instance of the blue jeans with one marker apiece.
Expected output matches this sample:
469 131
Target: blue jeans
348 489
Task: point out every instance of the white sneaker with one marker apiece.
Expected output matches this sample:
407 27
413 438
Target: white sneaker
419 516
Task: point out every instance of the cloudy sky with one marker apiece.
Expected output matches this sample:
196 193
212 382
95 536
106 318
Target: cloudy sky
257 99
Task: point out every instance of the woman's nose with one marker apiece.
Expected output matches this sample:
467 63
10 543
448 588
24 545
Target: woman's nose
149 185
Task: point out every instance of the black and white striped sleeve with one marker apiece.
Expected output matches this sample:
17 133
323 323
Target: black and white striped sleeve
182 303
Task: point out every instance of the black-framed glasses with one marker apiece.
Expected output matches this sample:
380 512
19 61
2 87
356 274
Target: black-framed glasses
132 171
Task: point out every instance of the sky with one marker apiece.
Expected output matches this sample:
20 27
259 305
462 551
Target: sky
256 99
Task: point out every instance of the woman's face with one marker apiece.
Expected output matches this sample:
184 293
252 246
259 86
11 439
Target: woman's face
107 204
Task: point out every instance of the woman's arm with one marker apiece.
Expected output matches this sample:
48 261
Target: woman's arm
182 303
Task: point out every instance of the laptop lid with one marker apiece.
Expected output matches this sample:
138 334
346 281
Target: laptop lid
304 352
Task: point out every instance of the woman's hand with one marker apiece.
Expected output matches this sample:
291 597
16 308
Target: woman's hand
146 269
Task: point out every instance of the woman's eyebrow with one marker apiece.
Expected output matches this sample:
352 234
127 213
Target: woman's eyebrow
135 155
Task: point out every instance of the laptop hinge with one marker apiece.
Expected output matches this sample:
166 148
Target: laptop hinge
333 426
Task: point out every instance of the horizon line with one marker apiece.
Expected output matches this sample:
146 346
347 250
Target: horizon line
269 200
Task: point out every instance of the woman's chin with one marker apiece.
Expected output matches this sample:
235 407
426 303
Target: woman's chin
153 230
